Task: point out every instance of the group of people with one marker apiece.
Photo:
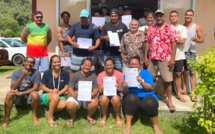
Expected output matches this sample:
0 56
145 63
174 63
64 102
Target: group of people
153 46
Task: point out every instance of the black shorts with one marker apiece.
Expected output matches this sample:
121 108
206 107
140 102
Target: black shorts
179 66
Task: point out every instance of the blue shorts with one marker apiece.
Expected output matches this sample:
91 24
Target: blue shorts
43 62
117 61
76 62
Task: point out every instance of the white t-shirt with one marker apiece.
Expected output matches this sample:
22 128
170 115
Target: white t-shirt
143 28
180 52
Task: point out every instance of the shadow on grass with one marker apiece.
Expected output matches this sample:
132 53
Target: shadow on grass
189 126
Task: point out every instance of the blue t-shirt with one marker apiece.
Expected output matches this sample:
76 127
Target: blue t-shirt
139 91
28 81
48 79
80 31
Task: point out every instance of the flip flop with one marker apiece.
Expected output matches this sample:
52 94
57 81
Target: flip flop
193 98
70 122
181 99
171 108
162 97
53 124
91 121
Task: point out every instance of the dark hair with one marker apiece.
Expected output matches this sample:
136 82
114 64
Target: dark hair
135 57
109 59
150 13
99 11
174 12
190 10
26 58
120 6
37 12
51 60
65 12
89 59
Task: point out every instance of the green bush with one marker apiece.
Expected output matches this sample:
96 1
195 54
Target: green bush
205 110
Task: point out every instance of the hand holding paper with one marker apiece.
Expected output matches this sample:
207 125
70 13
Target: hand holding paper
109 84
84 90
131 76
84 43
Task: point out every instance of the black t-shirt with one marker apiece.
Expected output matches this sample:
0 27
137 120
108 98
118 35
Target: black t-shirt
121 29
80 31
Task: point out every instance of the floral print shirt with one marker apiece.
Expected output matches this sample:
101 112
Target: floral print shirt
160 41
132 46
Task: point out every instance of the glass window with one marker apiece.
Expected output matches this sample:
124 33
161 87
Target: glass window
13 43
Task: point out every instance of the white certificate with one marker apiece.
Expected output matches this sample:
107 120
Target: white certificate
98 21
126 19
84 90
109 84
131 76
113 38
84 43
65 61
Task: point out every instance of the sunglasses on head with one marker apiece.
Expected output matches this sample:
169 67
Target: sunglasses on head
39 17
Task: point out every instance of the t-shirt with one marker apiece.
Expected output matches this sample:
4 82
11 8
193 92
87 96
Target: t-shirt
139 91
67 46
142 21
121 29
182 33
28 81
81 31
48 79
37 40
73 82
117 74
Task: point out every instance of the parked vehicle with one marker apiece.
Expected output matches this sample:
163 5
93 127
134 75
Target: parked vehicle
4 57
16 50
19 40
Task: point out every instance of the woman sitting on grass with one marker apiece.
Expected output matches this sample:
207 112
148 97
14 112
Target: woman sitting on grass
141 97
115 100
73 103
54 85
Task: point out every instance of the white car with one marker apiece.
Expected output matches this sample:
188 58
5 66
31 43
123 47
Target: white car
19 40
16 50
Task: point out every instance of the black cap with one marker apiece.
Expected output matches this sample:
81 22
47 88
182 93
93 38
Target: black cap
114 11
146 9
38 12
126 7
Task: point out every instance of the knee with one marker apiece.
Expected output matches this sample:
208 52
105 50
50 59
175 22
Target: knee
55 97
131 98
10 94
94 102
103 100
115 99
71 105
34 96
63 104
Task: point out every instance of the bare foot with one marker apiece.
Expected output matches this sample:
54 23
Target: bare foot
4 125
118 122
102 123
157 130
36 122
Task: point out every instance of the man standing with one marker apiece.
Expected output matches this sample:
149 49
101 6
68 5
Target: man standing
37 35
115 27
83 30
132 44
194 35
24 86
62 31
161 46
180 55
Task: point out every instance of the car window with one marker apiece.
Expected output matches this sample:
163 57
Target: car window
2 44
13 43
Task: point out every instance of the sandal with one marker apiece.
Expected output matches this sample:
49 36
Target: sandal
91 121
162 97
193 98
171 108
70 122
181 98
53 124
126 131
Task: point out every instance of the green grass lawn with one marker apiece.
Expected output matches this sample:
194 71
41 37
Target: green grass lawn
21 123
8 69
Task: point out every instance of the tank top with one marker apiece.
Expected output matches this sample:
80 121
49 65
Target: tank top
190 46
37 40
67 46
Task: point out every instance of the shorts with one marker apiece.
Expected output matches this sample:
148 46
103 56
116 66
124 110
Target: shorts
179 66
79 103
44 99
76 62
22 99
162 67
98 57
189 56
43 62
117 61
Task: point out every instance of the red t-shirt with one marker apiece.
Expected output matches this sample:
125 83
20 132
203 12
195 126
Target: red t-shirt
117 74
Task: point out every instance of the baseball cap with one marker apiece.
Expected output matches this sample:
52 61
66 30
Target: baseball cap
126 7
114 11
38 12
159 11
84 13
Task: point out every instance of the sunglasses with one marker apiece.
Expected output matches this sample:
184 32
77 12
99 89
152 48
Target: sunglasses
39 17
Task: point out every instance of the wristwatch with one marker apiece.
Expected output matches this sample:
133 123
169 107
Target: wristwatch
20 93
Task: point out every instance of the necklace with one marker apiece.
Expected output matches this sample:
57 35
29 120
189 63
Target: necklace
54 80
